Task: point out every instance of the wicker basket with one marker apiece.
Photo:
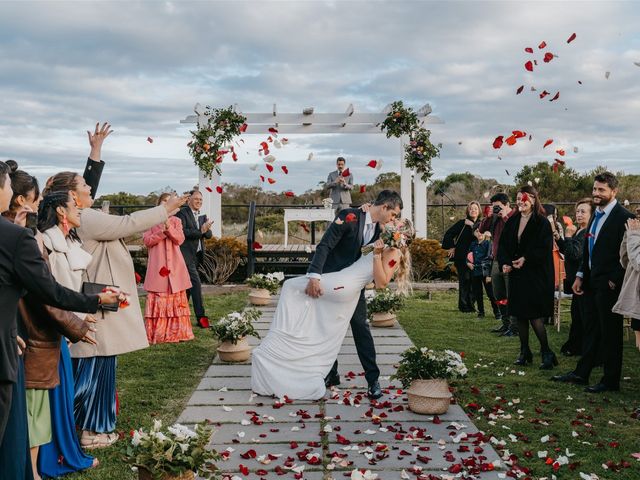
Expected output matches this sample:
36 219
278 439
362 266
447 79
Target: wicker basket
259 296
383 319
430 397
234 352
144 474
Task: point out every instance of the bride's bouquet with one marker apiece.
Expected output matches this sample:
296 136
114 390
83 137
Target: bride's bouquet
392 237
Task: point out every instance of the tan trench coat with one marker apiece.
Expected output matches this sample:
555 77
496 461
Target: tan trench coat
628 303
102 236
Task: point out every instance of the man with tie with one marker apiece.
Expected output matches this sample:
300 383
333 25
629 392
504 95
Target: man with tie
340 184
196 228
340 248
599 280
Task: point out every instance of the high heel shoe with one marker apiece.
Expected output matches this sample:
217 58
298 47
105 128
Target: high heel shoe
525 358
549 360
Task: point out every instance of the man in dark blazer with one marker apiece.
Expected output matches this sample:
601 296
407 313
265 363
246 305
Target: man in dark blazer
341 247
599 281
22 268
196 228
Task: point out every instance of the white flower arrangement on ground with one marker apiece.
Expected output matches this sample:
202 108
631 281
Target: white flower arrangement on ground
236 325
384 301
268 281
424 364
174 450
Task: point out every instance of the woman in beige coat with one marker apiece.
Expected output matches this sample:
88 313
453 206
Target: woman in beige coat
102 236
628 303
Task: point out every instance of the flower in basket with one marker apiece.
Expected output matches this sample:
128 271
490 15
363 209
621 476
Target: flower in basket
236 325
424 364
268 281
172 451
384 301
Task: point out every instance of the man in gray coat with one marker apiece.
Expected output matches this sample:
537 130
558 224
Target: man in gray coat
340 184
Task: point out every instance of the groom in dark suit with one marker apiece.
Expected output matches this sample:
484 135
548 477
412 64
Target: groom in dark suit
599 281
196 228
340 248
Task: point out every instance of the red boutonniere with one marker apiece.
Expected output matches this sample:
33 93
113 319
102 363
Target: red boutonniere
351 217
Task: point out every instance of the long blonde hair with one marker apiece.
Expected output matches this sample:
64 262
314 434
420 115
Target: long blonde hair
403 275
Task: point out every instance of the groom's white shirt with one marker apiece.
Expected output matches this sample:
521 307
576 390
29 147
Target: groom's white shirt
367 235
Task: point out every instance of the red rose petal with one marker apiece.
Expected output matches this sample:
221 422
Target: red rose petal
219 189
363 188
542 45
285 169
511 140
548 57
392 263
262 178
571 38
528 50
243 128
289 193
271 181
244 470
346 173
529 66
138 277
372 163
520 89
560 152
555 97
164 272
269 167
519 133
351 217
273 130
149 139
257 245
338 288
547 143
208 189
544 94
497 143
524 197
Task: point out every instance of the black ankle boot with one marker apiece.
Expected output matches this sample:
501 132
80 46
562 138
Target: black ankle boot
525 358
549 360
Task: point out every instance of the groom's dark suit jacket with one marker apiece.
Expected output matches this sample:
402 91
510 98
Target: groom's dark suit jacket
341 243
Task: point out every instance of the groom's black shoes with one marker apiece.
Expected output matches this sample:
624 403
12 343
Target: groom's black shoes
374 390
332 380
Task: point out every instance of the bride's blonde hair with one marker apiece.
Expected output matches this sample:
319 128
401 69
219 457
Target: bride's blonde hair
403 273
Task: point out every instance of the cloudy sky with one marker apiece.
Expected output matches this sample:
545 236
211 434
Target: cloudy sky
143 65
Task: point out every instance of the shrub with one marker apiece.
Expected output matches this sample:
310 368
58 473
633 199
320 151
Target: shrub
428 258
222 256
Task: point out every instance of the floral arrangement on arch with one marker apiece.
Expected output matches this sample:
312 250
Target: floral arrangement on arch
419 152
383 301
173 450
425 364
268 281
236 325
208 144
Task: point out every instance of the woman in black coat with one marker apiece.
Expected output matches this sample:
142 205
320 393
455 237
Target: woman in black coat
457 241
525 253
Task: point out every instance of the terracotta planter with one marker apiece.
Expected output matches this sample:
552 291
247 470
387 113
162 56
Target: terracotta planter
238 352
259 296
429 397
383 319
144 474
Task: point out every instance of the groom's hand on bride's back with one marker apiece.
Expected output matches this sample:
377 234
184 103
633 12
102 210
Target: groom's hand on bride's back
313 289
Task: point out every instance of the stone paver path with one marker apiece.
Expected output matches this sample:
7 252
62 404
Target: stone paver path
264 438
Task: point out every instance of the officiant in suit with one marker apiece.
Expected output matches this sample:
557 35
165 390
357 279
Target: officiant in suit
340 248
196 229
340 184
598 281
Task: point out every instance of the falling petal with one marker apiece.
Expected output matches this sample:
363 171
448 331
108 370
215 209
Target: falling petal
346 173
555 97
379 165
285 169
579 82
520 89
533 89
544 94
560 152
519 133
547 143
243 128
637 64
208 189
511 140
575 149
548 57
277 144
149 139
219 189
528 50
269 159
571 38
289 193
497 143
372 163
310 157
269 167
363 188
529 66
273 130
507 172
606 75
253 167
542 45
271 181
262 178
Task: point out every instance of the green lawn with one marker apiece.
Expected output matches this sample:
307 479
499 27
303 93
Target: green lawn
157 383
529 406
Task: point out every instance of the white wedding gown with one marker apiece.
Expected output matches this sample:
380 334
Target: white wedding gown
306 333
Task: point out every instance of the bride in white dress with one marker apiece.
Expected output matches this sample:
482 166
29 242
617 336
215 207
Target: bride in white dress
306 333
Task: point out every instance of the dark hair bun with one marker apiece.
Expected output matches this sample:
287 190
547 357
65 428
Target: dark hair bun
12 164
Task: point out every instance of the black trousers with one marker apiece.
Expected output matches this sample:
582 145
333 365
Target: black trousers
465 295
477 284
603 336
6 392
196 288
364 343
575 342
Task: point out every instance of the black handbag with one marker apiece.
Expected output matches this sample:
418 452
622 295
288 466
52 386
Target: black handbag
91 288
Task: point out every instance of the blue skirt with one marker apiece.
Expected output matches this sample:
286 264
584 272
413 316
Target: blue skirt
95 400
63 455
15 460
